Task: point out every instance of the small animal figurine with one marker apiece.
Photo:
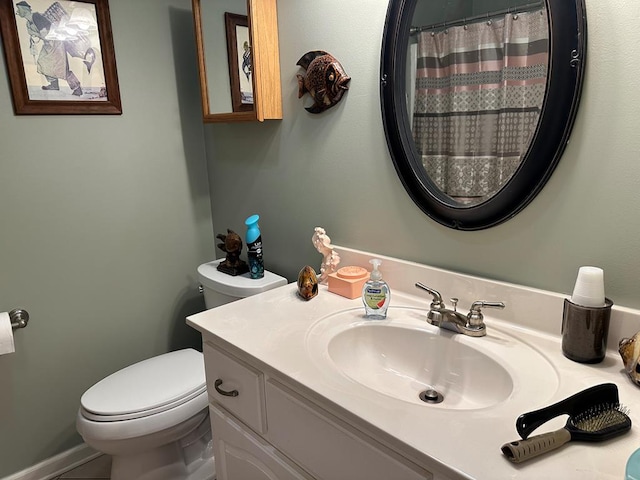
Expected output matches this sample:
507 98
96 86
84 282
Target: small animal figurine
232 246
307 283
325 80
331 259
629 349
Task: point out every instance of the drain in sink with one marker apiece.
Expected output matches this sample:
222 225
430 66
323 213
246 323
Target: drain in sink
431 396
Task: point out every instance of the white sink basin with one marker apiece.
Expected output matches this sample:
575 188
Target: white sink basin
403 356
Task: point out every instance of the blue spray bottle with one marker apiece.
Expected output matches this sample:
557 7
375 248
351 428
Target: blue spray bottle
254 247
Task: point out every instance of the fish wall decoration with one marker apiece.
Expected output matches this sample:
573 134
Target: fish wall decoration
325 80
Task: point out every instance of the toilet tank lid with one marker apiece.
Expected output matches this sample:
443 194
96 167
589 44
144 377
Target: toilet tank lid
238 286
149 384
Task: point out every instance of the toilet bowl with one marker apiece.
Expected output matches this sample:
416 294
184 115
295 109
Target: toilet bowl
152 417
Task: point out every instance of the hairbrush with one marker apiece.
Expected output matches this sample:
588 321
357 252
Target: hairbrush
606 393
598 423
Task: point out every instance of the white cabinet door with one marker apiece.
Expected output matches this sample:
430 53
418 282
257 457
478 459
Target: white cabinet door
326 447
240 455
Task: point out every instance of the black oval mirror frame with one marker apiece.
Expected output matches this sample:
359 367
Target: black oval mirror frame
567 29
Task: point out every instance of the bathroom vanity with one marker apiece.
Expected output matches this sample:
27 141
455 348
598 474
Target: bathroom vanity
312 390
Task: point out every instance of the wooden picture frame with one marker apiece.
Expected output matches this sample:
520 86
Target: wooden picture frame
60 57
240 62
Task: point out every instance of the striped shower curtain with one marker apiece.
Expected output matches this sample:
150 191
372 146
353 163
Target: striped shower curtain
479 91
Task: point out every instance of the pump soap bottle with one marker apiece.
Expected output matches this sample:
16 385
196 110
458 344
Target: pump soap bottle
376 294
254 247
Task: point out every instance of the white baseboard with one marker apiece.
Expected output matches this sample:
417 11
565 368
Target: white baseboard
54 466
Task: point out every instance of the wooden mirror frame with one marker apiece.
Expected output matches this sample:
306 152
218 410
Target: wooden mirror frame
567 36
263 31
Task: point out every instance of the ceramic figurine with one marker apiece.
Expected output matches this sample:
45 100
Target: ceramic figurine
325 80
629 349
307 283
232 246
331 259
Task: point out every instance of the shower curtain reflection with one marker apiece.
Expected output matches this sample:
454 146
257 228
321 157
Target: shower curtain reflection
479 90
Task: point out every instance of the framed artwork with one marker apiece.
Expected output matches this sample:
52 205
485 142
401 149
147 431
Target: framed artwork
60 57
240 64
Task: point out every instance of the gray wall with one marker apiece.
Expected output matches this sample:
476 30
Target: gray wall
102 248
104 221
334 169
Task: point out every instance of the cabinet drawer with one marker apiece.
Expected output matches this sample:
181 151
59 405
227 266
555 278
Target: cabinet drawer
231 375
325 446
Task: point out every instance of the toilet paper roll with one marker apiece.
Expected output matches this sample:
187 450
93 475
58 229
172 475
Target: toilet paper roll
6 334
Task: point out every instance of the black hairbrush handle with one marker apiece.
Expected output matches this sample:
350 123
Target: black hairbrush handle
522 450
579 402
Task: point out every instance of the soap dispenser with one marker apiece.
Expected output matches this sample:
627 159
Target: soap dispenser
376 294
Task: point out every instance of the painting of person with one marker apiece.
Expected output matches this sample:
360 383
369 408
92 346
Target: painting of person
54 42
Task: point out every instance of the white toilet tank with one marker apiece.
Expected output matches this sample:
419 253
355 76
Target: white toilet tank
220 288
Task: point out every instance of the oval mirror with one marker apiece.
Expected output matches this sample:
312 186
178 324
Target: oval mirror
478 100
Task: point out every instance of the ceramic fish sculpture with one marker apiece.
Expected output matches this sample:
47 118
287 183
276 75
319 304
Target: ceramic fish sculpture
629 349
325 80
307 283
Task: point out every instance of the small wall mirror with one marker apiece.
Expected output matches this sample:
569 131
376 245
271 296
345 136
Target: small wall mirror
478 101
238 59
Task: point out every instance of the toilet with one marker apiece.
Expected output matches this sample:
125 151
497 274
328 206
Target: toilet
152 416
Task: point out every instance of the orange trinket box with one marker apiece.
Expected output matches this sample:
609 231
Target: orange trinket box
348 281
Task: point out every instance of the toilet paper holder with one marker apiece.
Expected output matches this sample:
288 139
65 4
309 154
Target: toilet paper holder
19 318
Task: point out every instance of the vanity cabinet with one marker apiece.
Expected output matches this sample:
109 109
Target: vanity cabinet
303 412
271 430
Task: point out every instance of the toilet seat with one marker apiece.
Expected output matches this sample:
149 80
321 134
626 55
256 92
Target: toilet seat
146 388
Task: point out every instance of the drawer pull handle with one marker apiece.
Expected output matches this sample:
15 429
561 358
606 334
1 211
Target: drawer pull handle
232 393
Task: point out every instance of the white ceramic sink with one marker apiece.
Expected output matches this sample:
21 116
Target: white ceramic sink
403 356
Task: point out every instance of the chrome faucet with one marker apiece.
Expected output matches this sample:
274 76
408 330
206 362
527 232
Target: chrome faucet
471 324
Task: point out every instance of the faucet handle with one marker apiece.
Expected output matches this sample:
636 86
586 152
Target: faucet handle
436 304
475 316
454 303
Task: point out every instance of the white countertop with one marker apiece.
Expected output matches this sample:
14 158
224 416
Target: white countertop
273 328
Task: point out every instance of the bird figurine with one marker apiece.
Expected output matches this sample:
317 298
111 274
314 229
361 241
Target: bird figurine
232 246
